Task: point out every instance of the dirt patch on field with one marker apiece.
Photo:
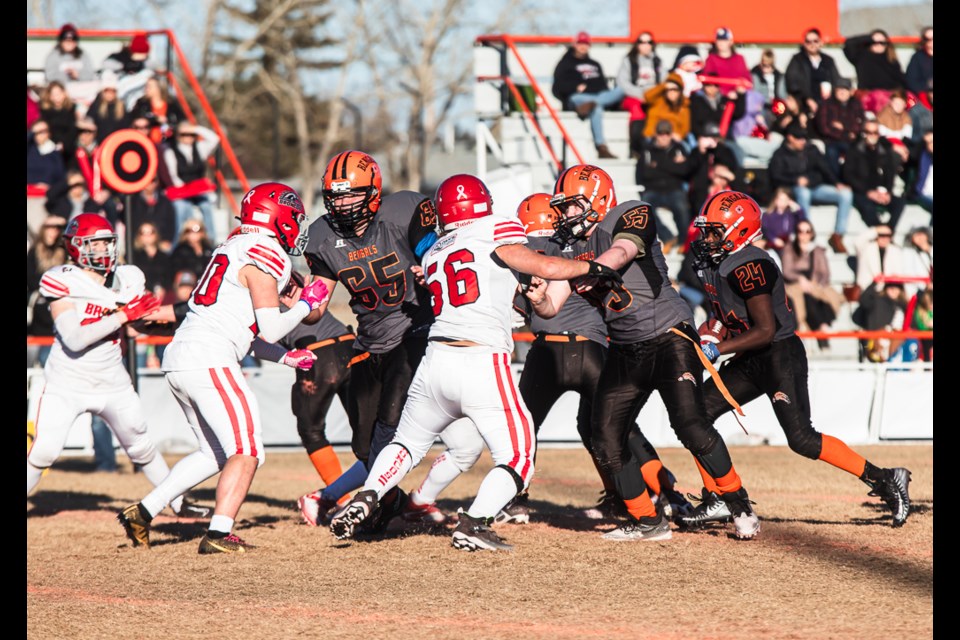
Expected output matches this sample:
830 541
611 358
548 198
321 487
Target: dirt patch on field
826 565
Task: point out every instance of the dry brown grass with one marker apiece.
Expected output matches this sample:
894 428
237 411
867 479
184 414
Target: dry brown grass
827 564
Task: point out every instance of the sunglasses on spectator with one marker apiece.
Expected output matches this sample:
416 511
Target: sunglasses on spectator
187 134
812 41
644 41
884 235
147 232
44 130
804 231
871 132
69 37
88 130
876 42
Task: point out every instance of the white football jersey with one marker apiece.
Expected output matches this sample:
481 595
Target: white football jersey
220 325
472 293
100 366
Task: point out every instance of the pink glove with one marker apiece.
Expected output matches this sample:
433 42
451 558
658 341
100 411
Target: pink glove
315 294
299 359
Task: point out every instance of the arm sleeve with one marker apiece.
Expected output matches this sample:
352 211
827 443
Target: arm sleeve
76 336
639 226
421 234
273 325
267 350
753 278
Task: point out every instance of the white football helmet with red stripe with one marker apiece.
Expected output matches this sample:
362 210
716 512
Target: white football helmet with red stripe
460 200
276 208
91 242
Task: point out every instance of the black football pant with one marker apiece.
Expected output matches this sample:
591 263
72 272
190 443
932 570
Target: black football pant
330 374
778 371
670 365
377 392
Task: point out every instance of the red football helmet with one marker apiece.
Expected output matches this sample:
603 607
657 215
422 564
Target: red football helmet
91 242
728 221
460 200
351 191
537 216
277 208
588 187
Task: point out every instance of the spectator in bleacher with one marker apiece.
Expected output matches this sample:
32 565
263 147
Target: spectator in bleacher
157 106
811 73
780 219
881 308
711 151
723 60
789 112
581 86
806 272
47 252
923 320
921 114
85 147
878 68
640 70
156 264
45 164
921 187
920 68
769 82
666 102
662 169
870 169
688 66
67 62
751 133
877 254
60 112
130 65
69 198
193 250
185 158
839 121
107 110
708 105
918 257
151 206
33 107
895 122
801 168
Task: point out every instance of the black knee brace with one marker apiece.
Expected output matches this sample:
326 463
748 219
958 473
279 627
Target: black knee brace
513 474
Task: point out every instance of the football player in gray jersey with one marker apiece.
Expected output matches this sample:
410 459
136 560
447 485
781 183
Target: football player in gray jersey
746 291
368 243
653 347
567 354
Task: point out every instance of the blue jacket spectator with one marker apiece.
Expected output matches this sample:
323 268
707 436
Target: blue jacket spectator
920 68
44 161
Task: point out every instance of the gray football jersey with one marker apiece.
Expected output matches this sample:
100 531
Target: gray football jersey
647 305
375 269
742 275
327 327
578 315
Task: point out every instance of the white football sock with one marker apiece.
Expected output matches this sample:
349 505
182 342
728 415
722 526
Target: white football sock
442 473
390 467
497 489
185 475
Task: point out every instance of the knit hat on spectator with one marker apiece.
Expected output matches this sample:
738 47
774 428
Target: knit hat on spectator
140 46
688 53
797 131
583 38
674 78
843 83
68 31
724 33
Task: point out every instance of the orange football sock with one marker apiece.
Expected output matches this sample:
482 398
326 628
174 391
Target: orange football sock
651 475
729 482
708 482
836 452
641 506
327 464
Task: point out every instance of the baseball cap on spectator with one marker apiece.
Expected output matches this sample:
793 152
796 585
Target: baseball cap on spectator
664 127
711 130
583 38
843 83
68 31
108 79
185 279
797 131
724 33
140 46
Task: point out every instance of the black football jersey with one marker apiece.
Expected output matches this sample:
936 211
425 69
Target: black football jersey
375 269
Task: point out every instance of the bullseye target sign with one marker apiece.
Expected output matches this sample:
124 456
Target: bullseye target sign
128 161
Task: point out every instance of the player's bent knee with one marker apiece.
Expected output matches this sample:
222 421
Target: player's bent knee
142 451
807 443
517 478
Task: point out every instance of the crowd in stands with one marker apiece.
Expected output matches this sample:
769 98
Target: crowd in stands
813 137
69 115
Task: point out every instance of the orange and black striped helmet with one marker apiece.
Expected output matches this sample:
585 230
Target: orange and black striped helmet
588 187
348 175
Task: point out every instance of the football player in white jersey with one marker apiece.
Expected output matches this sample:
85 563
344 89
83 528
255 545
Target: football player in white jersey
466 369
90 300
234 307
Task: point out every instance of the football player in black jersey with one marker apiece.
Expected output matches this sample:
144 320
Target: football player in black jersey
746 291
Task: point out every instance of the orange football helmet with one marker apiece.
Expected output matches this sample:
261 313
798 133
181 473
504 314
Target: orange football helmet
352 183
728 221
590 189
537 216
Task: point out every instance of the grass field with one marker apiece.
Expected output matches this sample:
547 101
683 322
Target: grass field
827 563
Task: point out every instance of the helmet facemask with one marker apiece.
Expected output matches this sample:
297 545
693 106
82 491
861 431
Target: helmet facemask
102 260
570 228
713 245
347 219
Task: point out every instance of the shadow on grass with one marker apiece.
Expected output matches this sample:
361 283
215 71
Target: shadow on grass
48 503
